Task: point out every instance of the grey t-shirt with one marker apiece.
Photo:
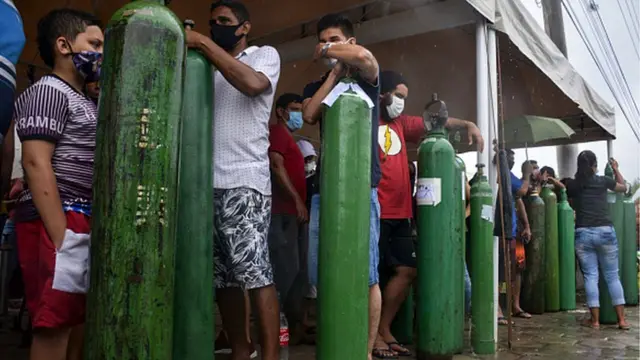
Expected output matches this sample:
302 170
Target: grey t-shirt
589 198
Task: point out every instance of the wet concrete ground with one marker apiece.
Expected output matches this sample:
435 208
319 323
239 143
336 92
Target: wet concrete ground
549 336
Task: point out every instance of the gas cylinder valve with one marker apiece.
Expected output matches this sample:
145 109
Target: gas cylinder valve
435 114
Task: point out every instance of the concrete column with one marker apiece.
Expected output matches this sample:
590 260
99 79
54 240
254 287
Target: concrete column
554 26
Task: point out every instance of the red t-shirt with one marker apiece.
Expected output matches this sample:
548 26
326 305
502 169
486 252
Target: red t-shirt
282 143
394 191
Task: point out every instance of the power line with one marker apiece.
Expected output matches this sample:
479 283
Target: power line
615 57
606 46
572 15
631 32
589 6
633 9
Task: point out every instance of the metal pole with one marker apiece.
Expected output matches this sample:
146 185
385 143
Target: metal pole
609 149
554 27
492 49
482 83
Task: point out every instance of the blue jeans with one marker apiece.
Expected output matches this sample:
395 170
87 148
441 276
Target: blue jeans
467 290
374 235
597 249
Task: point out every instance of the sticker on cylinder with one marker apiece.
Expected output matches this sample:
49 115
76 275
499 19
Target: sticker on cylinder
487 213
429 191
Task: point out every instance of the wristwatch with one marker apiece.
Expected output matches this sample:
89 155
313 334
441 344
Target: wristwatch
325 48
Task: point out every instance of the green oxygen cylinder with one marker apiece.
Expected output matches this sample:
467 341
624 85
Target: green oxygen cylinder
344 229
567 253
629 270
607 312
193 328
533 282
437 248
482 287
551 259
458 265
130 302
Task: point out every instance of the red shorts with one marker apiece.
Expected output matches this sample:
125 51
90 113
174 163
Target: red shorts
49 308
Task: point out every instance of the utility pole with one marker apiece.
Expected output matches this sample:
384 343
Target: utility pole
554 26
567 155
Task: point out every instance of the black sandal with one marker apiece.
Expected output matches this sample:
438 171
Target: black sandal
404 352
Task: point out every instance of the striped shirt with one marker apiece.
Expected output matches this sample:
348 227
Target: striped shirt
51 110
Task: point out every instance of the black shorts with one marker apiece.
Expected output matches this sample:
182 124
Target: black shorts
397 244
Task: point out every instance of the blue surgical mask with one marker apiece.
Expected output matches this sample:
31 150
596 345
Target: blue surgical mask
295 120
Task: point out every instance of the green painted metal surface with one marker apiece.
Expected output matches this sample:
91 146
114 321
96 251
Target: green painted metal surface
130 303
344 230
194 295
402 326
458 265
482 301
629 269
532 297
551 259
437 250
607 312
566 252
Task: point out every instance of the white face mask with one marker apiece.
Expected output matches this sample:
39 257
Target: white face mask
396 107
310 168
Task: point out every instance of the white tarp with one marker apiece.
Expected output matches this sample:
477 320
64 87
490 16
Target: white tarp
524 32
486 8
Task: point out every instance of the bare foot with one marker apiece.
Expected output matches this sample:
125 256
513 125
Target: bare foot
591 324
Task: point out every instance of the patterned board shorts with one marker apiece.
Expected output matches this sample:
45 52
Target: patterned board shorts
240 250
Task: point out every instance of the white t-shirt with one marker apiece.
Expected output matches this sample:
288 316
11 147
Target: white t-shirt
241 126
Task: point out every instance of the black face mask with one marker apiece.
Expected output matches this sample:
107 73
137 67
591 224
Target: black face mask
225 35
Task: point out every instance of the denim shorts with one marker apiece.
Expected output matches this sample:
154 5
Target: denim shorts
374 235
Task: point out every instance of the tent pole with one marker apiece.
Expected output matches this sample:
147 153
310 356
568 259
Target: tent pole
609 149
482 91
493 135
487 108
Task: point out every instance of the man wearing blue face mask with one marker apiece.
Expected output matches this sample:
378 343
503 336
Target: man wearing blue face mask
289 209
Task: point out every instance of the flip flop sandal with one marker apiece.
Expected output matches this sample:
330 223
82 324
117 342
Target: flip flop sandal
522 315
502 321
624 327
404 352
382 353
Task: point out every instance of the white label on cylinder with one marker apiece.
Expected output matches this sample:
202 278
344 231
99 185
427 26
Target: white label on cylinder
429 191
487 213
611 197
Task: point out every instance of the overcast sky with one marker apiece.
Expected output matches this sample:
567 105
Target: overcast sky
626 146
